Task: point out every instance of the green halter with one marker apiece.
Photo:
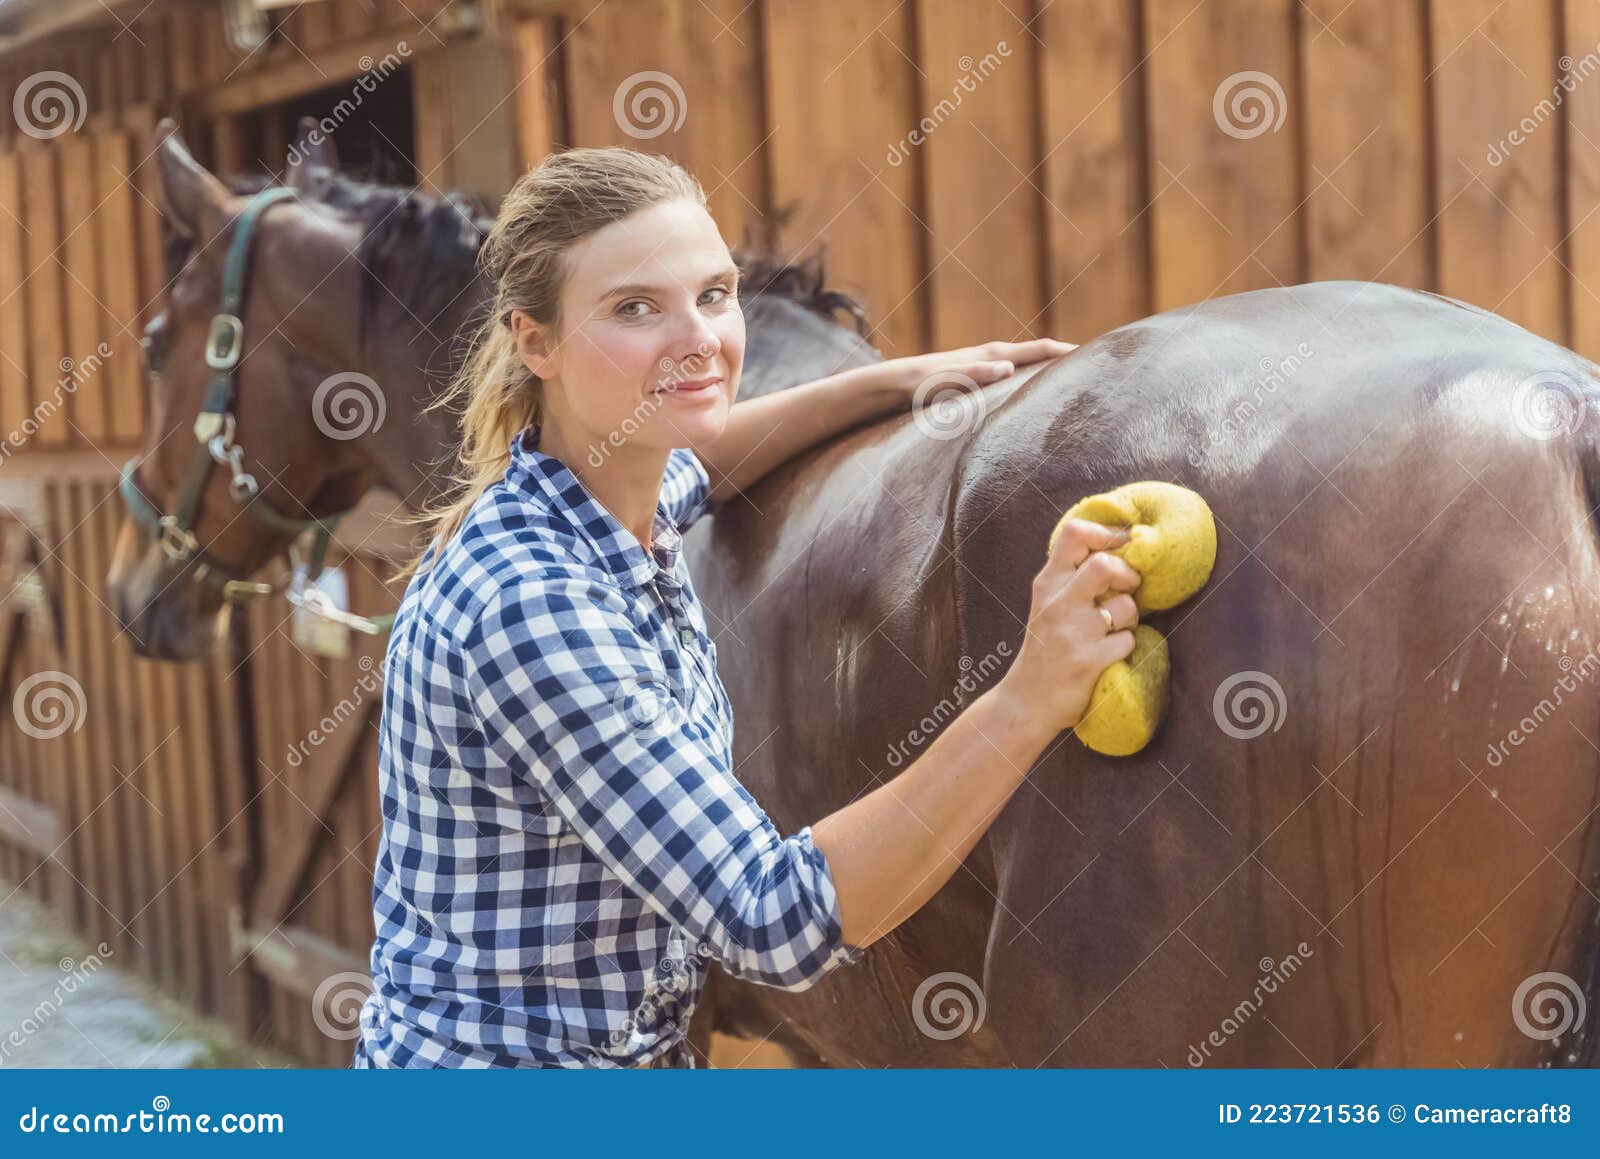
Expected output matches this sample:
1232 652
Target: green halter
214 431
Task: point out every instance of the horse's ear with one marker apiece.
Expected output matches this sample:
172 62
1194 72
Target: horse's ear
195 201
312 148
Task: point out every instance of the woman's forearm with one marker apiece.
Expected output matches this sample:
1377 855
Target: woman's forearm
765 432
893 849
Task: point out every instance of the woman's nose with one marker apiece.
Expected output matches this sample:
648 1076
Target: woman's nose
695 344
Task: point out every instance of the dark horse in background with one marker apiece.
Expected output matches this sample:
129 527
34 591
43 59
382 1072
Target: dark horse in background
1366 831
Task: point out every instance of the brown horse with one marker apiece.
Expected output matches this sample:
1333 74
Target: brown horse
1365 833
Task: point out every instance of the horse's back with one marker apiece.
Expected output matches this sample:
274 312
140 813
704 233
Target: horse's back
1406 570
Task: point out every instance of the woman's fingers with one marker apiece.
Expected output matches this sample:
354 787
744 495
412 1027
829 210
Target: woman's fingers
1078 538
1036 350
1124 612
1101 573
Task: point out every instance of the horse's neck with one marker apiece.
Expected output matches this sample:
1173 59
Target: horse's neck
415 451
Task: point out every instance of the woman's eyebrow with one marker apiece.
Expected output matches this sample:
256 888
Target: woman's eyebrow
647 289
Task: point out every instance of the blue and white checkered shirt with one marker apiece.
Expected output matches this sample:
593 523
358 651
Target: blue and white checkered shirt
565 848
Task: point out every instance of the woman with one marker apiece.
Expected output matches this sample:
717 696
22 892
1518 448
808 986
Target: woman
565 848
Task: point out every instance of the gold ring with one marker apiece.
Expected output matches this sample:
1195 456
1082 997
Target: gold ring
1111 625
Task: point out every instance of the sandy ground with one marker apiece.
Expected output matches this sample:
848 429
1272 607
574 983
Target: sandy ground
64 1005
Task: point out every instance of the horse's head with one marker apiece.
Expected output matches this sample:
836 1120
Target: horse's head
269 408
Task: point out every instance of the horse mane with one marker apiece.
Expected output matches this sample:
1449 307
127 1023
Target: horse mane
421 249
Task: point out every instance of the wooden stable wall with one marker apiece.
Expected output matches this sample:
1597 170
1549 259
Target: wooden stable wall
1083 182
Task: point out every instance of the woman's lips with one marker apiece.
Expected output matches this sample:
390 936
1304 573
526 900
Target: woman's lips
691 389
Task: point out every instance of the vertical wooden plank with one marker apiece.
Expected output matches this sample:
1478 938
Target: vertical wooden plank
66 752
1096 230
430 99
15 402
1367 140
1224 139
77 387
983 200
97 526
681 78
116 238
839 91
46 319
533 46
1581 30
1500 205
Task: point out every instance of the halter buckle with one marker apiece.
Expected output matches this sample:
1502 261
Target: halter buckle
224 342
175 541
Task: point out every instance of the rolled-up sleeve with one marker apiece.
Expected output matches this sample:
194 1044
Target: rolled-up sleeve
562 684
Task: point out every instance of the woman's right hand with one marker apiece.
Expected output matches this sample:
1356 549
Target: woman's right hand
1068 644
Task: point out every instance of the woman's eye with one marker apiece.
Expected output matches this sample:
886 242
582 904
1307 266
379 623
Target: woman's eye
724 293
626 308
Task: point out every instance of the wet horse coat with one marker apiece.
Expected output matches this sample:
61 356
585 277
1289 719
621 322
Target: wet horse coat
1402 552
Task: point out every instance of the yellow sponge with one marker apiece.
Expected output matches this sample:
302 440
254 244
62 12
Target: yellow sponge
1173 547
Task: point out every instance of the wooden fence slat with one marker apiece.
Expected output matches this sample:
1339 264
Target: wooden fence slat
1367 141
43 287
839 91
1223 141
117 239
15 403
82 386
1498 221
982 192
1581 28
1096 230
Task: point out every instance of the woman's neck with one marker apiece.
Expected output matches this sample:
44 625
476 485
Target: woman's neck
625 479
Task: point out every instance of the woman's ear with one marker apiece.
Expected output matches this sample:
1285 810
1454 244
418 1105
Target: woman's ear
535 344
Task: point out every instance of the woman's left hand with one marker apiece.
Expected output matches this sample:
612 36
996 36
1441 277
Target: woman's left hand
983 364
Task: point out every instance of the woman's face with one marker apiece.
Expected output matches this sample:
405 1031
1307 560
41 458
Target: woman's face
651 337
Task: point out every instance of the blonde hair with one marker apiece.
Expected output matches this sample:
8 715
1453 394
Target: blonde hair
552 207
